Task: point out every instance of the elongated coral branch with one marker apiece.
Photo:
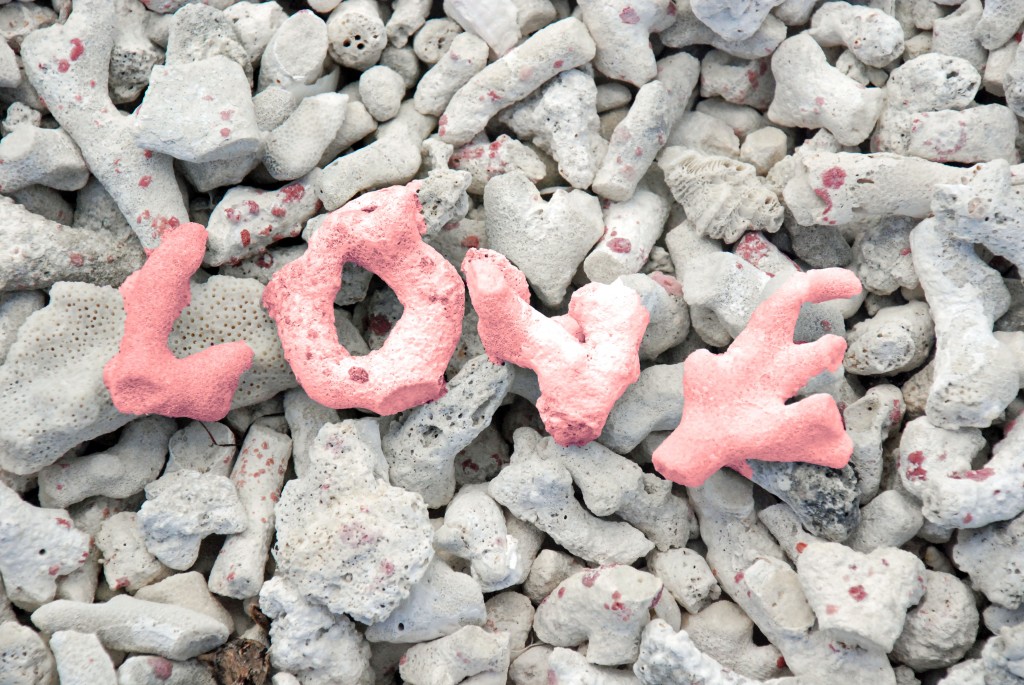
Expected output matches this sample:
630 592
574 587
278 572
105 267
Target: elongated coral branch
144 377
734 403
584 361
69 64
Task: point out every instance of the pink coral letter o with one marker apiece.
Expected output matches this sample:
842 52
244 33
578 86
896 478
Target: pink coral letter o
380 231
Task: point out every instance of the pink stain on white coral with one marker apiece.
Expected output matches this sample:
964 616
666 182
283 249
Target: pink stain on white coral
734 403
380 231
584 361
144 377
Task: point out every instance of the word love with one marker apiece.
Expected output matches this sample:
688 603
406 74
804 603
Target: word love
584 360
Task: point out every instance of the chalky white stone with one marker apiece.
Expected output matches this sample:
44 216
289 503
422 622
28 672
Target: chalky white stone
606 607
346 539
127 564
24 657
862 597
258 476
468 652
133 625
81 659
308 640
184 507
37 546
122 471
221 109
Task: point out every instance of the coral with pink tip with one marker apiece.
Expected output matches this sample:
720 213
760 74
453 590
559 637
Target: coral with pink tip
584 361
145 377
382 232
735 403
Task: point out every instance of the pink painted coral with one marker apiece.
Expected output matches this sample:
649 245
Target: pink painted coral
380 231
144 377
735 403
584 361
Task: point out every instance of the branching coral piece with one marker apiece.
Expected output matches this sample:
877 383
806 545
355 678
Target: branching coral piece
734 403
380 231
145 377
584 361
69 65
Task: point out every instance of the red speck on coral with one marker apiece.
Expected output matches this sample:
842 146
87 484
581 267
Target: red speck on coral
293 192
246 238
63 65
895 414
657 597
379 324
800 547
620 245
76 259
833 178
54 570
629 16
162 668
145 181
561 592
225 132
831 609
278 211
975 475
590 577
858 593
77 49
671 285
823 195
918 472
358 375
